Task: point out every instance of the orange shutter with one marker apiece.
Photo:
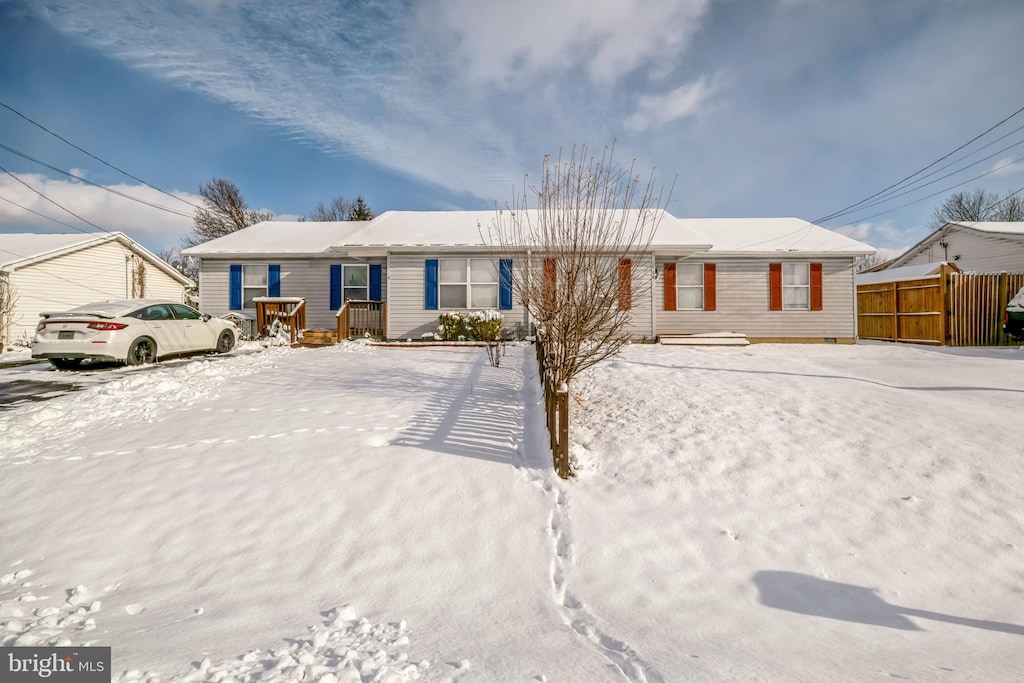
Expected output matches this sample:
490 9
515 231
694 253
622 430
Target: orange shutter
550 280
670 286
625 284
709 287
775 286
815 286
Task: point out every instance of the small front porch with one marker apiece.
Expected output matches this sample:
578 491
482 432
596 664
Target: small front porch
355 318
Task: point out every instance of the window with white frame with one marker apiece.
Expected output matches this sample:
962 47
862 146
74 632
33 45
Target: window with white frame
689 286
355 282
468 283
796 286
254 284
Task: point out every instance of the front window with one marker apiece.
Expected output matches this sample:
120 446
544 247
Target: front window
355 282
796 286
690 286
254 284
468 283
183 312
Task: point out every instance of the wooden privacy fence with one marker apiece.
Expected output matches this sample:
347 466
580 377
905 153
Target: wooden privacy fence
291 311
359 318
950 308
556 410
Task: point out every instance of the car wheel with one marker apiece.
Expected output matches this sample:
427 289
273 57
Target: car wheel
141 352
226 342
66 363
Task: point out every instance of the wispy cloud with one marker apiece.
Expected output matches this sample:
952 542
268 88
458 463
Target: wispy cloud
896 240
1007 166
108 211
653 111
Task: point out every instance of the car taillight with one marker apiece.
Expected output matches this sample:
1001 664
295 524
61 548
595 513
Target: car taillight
41 326
107 326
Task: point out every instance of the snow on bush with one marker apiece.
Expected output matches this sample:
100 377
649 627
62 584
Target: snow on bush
450 326
486 326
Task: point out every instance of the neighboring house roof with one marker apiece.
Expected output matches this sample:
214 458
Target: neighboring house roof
22 249
294 238
919 272
773 235
1013 231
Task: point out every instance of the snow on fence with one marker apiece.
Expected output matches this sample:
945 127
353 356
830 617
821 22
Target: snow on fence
556 410
290 311
945 308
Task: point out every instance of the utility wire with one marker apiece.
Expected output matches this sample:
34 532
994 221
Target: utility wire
918 172
90 154
62 208
936 194
89 182
42 215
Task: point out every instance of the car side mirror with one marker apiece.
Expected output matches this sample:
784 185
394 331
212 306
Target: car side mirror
206 317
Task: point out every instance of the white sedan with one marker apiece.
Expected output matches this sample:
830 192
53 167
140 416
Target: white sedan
132 331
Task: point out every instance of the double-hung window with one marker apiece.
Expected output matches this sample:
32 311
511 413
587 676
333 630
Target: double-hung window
355 282
689 286
254 284
796 286
468 283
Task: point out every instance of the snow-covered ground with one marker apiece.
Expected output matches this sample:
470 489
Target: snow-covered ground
766 512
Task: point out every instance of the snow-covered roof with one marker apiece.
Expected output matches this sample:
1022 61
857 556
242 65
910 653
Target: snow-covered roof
278 237
464 229
919 272
21 249
23 246
998 227
772 235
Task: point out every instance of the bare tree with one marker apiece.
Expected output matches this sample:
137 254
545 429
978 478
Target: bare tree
977 205
224 211
575 263
872 260
8 300
338 209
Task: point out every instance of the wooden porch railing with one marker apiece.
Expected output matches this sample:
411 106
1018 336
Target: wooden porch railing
358 318
291 311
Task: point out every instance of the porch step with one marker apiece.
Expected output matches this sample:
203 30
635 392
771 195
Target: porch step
317 338
705 339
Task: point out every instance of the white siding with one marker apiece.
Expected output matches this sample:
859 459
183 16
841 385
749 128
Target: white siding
93 274
307 278
407 315
742 302
978 253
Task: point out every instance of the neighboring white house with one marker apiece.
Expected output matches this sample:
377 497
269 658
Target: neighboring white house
773 279
986 247
57 271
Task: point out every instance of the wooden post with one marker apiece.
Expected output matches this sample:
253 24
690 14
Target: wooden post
384 319
1004 298
944 304
562 456
895 312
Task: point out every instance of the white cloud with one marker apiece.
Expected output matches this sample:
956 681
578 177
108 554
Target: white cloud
653 111
885 236
1006 166
143 223
519 42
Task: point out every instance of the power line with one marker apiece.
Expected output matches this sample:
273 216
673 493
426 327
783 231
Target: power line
89 182
90 154
918 172
936 194
62 208
42 215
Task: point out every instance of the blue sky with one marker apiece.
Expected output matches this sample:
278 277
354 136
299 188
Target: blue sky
767 108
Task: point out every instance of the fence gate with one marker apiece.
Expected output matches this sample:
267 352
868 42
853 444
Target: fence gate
977 302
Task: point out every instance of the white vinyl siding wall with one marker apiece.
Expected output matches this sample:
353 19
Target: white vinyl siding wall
307 278
742 302
81 277
978 253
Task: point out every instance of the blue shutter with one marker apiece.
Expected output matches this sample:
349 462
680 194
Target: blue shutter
273 280
505 284
335 287
430 285
236 288
375 283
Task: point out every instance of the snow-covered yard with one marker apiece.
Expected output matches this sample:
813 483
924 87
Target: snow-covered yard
770 512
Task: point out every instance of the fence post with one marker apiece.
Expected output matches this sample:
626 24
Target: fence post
1004 298
562 449
895 312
